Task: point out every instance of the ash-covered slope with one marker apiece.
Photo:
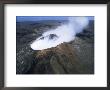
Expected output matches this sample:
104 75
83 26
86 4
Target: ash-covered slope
67 58
60 60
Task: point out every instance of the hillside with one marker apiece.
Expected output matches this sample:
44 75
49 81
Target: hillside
75 57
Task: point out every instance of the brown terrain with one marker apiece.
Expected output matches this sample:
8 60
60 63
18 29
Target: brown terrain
75 57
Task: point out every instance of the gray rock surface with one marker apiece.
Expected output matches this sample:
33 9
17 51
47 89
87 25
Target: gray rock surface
58 60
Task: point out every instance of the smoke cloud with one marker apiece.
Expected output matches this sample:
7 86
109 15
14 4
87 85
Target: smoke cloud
63 33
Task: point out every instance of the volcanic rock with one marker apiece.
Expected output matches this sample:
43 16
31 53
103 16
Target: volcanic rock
59 60
51 36
67 58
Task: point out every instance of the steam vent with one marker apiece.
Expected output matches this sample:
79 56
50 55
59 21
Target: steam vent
75 56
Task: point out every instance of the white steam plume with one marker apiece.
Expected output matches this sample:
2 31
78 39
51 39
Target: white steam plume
63 33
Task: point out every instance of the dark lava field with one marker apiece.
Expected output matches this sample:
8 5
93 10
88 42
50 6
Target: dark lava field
75 57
